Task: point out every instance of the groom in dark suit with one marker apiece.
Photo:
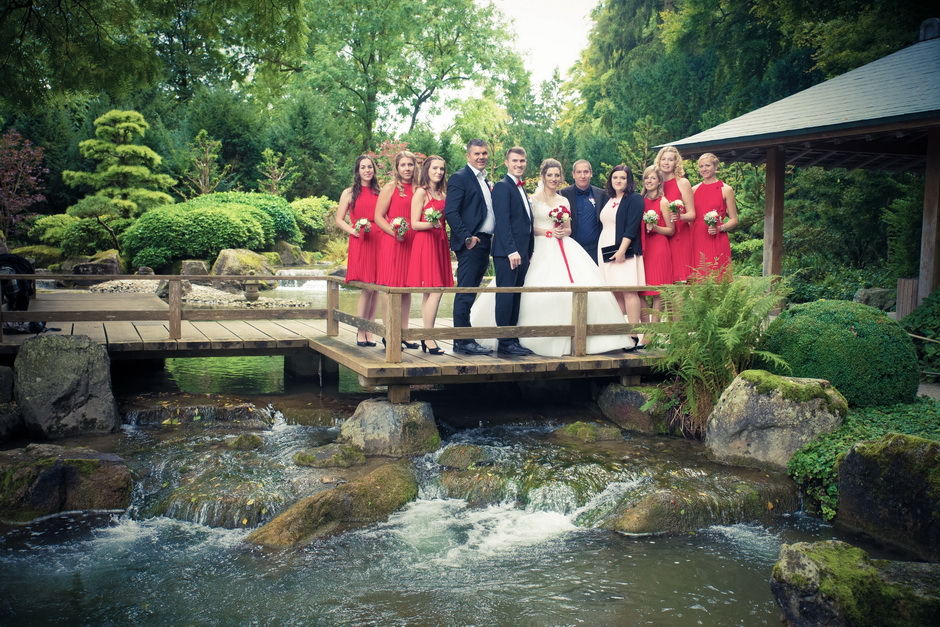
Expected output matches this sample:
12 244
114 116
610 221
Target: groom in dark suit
469 212
512 244
586 203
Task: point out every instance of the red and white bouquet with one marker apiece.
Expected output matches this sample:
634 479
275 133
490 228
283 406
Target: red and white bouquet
433 217
399 226
712 218
676 207
559 215
362 225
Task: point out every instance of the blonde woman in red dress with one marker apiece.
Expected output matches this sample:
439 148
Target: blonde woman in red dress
394 248
430 254
358 202
677 187
711 244
657 254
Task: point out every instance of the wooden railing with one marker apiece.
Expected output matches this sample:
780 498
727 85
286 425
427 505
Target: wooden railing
391 330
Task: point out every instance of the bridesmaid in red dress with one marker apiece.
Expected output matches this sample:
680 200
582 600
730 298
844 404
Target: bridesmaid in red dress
677 187
359 202
395 250
711 244
430 254
655 237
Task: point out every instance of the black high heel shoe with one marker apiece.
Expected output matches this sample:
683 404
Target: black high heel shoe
403 343
437 350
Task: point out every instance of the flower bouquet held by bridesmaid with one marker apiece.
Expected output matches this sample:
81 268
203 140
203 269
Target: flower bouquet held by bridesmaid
392 213
656 232
715 201
359 202
677 188
429 265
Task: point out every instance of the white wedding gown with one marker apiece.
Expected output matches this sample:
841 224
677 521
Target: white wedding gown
547 268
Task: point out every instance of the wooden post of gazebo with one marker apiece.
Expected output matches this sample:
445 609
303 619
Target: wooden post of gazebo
773 212
930 239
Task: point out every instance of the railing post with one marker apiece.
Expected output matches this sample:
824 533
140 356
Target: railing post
332 304
579 320
176 307
393 328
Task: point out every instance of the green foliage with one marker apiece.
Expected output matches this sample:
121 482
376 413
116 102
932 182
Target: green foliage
87 236
713 328
865 354
42 256
313 214
51 229
205 174
280 212
278 173
925 322
336 250
814 467
824 280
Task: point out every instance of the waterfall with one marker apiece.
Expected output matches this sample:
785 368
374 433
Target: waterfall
315 286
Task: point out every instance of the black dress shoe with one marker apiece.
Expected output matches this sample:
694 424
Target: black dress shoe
471 348
514 349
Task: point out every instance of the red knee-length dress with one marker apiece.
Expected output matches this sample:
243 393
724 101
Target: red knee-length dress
394 255
429 265
713 252
657 250
363 250
681 242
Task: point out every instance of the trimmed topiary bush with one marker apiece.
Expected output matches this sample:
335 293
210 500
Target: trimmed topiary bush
282 215
865 354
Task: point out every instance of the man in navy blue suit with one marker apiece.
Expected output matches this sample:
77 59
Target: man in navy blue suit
469 212
512 244
586 202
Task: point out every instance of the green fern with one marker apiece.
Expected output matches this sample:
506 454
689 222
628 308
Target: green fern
709 334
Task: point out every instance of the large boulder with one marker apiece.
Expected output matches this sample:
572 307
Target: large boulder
240 261
63 386
622 404
877 297
195 267
292 255
45 479
762 419
103 264
370 499
382 428
890 489
834 583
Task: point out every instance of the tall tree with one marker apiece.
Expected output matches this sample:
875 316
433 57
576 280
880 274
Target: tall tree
21 174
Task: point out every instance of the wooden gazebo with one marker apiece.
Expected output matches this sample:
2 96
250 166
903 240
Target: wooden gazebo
881 116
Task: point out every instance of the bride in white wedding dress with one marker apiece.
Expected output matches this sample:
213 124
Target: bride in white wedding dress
552 267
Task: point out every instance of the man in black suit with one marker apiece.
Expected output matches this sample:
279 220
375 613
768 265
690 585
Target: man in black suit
586 204
469 212
512 244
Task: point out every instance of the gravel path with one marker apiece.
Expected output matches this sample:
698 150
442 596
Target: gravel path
199 295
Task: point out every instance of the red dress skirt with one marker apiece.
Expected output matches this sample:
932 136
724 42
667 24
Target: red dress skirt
429 265
394 255
363 250
712 252
657 251
681 243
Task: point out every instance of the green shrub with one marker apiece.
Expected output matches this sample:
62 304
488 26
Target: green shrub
86 236
42 256
51 229
712 333
314 215
925 322
814 467
284 222
860 350
827 281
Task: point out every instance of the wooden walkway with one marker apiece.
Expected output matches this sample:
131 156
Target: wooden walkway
99 316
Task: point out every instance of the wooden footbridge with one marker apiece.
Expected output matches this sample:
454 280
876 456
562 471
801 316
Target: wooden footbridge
143 326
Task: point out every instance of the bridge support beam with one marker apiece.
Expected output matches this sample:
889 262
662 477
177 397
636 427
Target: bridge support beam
398 394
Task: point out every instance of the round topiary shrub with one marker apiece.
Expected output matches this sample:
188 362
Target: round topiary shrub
863 353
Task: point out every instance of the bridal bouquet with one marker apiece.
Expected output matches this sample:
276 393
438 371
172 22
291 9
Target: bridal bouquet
559 215
362 225
676 207
399 226
433 217
712 218
651 217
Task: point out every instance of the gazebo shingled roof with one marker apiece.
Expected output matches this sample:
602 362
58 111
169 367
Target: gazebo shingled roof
874 117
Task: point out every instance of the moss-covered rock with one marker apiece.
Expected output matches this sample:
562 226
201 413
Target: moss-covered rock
622 405
44 479
42 256
588 432
890 489
382 428
292 255
245 442
370 499
834 583
762 419
330 456
462 456
866 355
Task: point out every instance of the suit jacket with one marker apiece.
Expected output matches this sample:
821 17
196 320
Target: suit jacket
513 221
465 207
600 199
